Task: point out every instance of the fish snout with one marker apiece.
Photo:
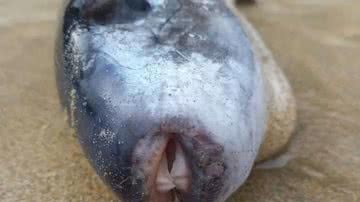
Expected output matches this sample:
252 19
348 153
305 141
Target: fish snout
179 162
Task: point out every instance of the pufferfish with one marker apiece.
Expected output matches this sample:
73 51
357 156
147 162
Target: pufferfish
172 100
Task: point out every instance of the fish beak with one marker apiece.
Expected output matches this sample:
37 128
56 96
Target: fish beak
166 167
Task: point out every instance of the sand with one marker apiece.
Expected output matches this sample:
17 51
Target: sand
316 42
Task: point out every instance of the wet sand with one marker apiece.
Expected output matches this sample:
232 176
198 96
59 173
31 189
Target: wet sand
316 42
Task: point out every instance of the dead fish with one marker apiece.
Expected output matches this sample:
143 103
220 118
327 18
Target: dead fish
169 98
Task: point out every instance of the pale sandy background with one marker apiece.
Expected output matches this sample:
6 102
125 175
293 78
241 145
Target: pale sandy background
317 42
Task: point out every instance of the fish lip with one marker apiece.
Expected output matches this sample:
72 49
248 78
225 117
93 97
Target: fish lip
204 159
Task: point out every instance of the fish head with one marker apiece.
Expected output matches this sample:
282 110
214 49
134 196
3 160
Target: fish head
164 113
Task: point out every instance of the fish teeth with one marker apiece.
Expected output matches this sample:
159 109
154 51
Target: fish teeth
178 177
164 181
180 171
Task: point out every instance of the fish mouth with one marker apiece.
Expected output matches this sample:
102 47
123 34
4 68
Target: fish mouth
179 161
162 162
173 173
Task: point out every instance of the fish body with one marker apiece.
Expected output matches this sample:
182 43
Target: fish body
167 96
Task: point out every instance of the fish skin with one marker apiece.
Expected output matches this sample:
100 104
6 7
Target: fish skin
178 68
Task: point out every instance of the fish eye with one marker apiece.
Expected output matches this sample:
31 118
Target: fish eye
113 11
98 10
139 5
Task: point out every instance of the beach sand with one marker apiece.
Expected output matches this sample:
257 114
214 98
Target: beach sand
317 43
